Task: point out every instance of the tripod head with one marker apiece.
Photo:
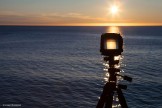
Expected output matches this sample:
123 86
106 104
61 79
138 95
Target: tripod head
111 65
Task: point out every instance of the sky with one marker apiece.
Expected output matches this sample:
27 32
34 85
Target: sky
80 12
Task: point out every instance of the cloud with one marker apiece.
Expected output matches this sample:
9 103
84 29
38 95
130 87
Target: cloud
14 18
73 17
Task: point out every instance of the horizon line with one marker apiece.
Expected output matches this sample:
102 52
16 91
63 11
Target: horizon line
92 24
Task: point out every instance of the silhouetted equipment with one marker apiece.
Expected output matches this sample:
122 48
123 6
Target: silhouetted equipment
112 45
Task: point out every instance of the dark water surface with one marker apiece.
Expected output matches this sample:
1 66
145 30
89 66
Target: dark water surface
61 67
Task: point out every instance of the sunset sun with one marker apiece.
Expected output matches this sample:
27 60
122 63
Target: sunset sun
114 9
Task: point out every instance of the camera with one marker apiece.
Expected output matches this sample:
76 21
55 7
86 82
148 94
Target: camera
111 44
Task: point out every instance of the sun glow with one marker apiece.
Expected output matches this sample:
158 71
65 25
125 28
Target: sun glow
114 9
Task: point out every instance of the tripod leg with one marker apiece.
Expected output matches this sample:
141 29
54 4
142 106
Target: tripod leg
109 100
107 96
103 97
101 101
121 99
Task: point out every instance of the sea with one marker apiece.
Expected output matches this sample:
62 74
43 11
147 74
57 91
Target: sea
62 67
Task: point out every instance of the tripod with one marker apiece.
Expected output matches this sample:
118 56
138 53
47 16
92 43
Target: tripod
106 99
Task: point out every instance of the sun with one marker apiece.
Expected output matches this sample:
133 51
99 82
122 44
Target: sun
114 9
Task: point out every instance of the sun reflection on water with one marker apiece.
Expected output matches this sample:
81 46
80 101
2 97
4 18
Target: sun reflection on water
113 29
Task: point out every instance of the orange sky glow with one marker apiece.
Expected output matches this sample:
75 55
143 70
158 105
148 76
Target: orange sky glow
83 13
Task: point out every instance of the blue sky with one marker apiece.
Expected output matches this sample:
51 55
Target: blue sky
80 12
